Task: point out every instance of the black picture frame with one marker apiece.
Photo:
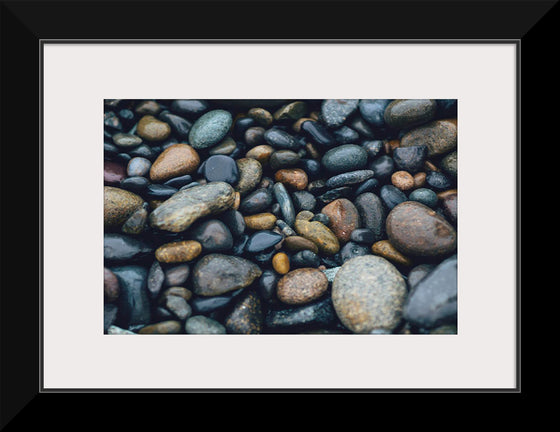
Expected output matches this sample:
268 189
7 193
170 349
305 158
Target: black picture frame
26 26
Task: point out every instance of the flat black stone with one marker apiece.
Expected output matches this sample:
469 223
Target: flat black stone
331 195
363 236
220 168
373 110
262 240
383 167
178 182
346 135
280 139
189 108
315 315
303 200
371 185
352 250
305 258
392 196
267 285
235 222
349 178
213 235
159 191
179 125
312 167
121 249
135 184
318 133
133 302
256 202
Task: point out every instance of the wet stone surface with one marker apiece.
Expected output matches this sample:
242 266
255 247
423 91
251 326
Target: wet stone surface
247 217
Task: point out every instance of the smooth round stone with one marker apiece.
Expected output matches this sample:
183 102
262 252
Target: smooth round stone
161 192
126 140
291 111
256 202
110 286
305 258
118 206
261 116
285 201
138 167
382 167
368 293
254 136
176 160
178 306
152 129
411 158
226 147
246 316
343 218
113 173
392 196
200 324
416 230
292 178
303 200
438 181
250 174
318 314
363 236
373 110
402 180
335 112
134 184
220 168
346 135
425 196
182 292
298 243
176 275
216 274
281 263
322 236
352 250
373 148
385 249
133 303
210 128
163 327
433 300
440 136
261 153
347 157
448 164
280 139
186 206
318 133
405 113
283 159
178 252
189 108
302 286
349 178
213 304
262 240
122 248
260 221
213 235
417 273
235 222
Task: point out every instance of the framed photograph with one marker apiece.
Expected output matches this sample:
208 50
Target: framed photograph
297 209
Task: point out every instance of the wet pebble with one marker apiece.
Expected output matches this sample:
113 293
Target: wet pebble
210 128
220 168
302 286
153 130
213 235
344 158
176 160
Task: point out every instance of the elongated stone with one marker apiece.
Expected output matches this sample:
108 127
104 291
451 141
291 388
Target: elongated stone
286 205
186 206
322 236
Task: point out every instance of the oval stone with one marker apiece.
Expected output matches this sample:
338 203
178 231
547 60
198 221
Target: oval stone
416 230
440 136
368 294
343 218
292 178
298 243
118 206
220 168
372 213
178 252
216 274
213 235
152 129
281 263
405 113
347 157
176 160
200 324
321 235
210 129
302 286
260 221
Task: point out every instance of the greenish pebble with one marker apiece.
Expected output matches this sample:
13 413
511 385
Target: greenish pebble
210 129
344 158
449 164
127 140
200 324
425 196
331 273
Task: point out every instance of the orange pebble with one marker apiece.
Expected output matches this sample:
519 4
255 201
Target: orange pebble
281 263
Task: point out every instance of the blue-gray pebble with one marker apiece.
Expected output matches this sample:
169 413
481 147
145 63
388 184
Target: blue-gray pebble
210 129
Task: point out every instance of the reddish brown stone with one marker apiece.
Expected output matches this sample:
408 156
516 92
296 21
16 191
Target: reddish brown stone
293 178
402 180
343 218
297 243
302 286
174 161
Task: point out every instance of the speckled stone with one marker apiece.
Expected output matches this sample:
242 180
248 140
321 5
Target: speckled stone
440 136
151 129
250 175
349 178
261 116
260 221
321 235
301 286
261 153
246 316
178 252
343 218
448 164
368 294
210 128
216 274
372 213
334 112
118 206
126 140
200 324
405 113
186 206
385 249
318 314
344 158
402 180
416 230
163 327
176 160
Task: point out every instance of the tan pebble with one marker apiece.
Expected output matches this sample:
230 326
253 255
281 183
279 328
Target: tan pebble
260 221
312 151
237 201
446 193
298 243
261 116
177 252
119 205
419 180
281 263
177 291
315 115
302 286
292 178
261 153
174 161
152 129
385 249
317 232
402 180
163 327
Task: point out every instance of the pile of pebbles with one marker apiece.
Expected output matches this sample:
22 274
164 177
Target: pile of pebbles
333 216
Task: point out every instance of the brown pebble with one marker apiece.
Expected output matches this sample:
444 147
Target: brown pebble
163 327
302 286
292 178
180 251
177 291
449 206
402 180
444 194
119 205
312 151
261 116
261 153
429 166
174 161
298 243
385 249
237 201
419 180
152 129
260 221
281 263
343 218
391 145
